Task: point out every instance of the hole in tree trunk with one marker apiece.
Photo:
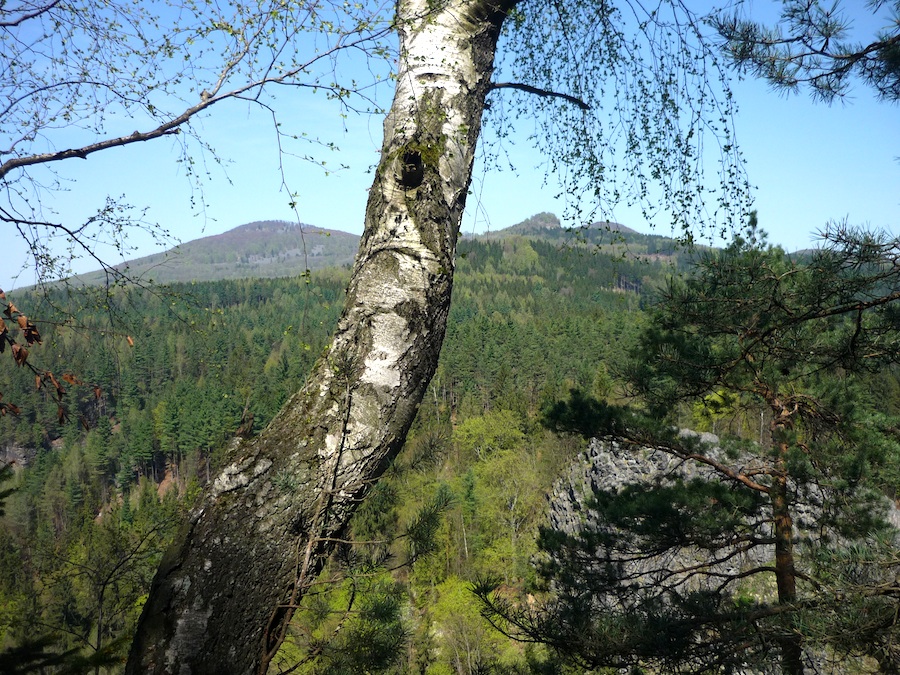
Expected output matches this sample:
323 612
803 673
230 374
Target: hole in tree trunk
412 170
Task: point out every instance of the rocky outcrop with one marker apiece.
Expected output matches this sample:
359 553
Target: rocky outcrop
607 465
16 455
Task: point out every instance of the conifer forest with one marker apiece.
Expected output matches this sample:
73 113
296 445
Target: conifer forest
567 446
451 564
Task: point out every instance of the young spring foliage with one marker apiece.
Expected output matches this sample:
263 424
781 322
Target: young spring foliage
632 108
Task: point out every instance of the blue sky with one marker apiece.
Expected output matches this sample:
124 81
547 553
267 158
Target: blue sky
809 162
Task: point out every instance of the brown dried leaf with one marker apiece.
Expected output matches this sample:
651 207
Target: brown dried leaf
130 341
22 320
71 379
20 354
2 294
60 392
31 334
10 310
61 414
98 392
14 409
38 381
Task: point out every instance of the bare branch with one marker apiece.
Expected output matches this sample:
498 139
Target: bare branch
173 126
537 91
29 15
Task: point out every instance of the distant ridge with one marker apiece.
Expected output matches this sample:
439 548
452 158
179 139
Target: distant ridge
610 226
547 224
278 248
264 248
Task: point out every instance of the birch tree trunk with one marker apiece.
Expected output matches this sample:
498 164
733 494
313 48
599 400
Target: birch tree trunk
224 594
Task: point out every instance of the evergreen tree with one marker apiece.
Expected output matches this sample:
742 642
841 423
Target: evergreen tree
813 45
674 573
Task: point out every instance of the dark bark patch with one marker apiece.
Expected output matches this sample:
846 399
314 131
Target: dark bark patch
411 311
412 170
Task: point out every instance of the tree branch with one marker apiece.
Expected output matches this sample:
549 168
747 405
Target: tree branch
31 15
540 92
207 99
682 453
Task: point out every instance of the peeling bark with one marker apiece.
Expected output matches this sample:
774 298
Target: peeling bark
224 594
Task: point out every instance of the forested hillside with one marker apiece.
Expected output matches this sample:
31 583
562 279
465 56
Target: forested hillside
100 478
262 249
125 411
271 249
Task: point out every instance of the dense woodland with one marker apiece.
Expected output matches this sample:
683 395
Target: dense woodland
101 481
530 320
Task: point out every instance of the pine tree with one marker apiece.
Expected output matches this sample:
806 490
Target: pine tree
674 572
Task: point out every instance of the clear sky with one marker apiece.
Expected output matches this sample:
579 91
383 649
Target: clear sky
809 162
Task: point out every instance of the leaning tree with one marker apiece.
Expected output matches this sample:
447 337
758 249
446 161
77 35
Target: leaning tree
627 101
617 92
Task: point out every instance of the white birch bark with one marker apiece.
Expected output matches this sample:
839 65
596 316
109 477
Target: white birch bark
224 594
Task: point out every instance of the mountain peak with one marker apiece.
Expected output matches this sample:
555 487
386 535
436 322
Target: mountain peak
263 248
538 222
548 224
272 226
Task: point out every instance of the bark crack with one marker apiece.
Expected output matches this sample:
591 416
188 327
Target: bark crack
279 621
